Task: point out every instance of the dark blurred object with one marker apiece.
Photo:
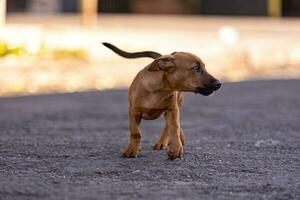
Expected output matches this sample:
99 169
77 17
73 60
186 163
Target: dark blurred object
159 6
17 5
207 7
234 7
71 6
113 6
291 8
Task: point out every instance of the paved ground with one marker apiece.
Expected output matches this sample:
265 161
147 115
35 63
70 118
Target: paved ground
242 143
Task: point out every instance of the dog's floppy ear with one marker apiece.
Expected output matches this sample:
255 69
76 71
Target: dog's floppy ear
162 63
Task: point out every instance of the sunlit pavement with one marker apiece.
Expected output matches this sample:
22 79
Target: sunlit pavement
233 49
242 143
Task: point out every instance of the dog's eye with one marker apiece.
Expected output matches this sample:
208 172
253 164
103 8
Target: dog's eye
197 68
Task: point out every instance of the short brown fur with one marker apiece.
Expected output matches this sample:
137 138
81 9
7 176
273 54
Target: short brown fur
158 90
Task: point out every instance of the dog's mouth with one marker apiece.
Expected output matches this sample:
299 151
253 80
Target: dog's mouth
204 91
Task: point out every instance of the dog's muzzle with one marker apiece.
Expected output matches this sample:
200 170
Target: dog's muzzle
208 91
204 91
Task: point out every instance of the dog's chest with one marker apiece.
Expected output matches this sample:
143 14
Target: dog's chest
157 101
152 105
152 108
150 114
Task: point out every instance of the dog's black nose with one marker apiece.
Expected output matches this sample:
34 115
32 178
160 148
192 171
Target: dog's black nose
216 85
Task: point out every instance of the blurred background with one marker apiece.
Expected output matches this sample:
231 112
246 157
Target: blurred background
50 46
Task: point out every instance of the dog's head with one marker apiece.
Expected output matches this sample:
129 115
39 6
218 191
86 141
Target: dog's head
185 72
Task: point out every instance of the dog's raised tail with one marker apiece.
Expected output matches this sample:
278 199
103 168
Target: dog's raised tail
149 54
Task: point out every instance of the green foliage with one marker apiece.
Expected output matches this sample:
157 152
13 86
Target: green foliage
3 49
56 53
6 50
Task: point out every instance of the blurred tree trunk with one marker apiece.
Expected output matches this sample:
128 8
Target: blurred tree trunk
275 8
89 12
2 12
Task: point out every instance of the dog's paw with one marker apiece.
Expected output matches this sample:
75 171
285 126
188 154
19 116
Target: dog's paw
131 152
175 150
160 145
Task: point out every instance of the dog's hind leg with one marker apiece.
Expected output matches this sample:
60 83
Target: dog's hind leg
180 102
162 142
134 147
182 136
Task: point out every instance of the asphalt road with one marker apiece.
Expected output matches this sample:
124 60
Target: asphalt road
242 143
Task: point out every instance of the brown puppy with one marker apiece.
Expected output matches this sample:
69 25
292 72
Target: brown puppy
157 89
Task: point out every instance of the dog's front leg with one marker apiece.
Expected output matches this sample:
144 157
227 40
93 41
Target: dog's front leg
175 145
134 147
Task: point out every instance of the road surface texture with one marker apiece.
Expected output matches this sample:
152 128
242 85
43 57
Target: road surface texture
242 143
